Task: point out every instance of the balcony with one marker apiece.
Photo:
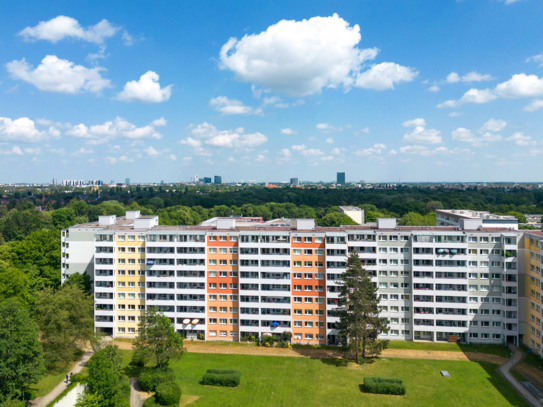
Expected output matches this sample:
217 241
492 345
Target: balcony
275 287
191 286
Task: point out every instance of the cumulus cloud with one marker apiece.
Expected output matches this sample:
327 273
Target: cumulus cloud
288 132
384 76
232 106
434 88
59 75
420 134
520 139
311 152
326 128
62 27
206 135
425 151
534 105
415 122
536 58
82 151
300 58
22 130
119 127
330 140
453 77
519 86
493 125
464 135
111 160
299 147
366 152
146 90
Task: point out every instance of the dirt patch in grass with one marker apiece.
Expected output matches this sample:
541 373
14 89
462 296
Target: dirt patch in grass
186 400
209 347
533 375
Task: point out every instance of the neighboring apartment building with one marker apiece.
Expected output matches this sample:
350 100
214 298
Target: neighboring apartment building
234 277
465 217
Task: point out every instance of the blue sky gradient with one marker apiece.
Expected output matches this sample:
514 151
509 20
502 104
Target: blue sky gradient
376 122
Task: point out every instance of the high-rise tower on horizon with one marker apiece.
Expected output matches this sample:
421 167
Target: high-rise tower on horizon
340 178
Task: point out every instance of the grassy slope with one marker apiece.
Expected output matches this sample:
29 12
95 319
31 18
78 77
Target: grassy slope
451 347
279 381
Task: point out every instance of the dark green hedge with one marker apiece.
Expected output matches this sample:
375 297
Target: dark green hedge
222 377
168 394
149 379
79 378
381 385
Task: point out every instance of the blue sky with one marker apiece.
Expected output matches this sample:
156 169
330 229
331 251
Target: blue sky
419 90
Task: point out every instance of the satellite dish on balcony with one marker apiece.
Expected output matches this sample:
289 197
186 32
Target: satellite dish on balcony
186 321
195 321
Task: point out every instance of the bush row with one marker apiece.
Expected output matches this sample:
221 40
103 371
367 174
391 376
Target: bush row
168 394
222 377
381 385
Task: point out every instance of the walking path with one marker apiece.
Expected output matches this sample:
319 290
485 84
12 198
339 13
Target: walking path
53 394
505 372
136 397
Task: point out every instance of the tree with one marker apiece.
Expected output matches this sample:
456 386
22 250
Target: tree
82 281
104 377
359 321
335 219
21 354
89 400
157 338
65 320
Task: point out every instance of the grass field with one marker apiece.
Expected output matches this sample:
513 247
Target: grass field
499 350
280 381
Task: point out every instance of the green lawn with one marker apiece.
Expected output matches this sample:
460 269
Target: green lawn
49 381
451 347
532 359
285 381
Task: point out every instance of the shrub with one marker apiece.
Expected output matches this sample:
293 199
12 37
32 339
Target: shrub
168 394
381 385
14 403
139 358
149 379
222 377
150 402
268 340
79 378
201 336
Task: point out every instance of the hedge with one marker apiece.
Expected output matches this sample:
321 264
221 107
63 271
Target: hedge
168 394
149 379
222 377
381 385
79 378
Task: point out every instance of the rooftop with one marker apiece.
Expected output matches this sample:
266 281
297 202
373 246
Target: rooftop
469 214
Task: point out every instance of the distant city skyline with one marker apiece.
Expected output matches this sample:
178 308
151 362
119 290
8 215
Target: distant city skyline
448 91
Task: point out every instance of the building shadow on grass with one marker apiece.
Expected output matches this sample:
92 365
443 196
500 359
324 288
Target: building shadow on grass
506 390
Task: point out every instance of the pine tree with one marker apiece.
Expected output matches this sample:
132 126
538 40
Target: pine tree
359 322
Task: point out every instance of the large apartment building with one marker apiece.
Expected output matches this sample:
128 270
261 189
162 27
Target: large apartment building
234 277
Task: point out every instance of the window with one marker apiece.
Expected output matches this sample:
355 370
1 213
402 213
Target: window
213 286
319 252
120 330
297 288
212 321
223 286
298 324
297 299
308 240
212 333
212 250
120 238
213 297
212 262
472 275
141 238
308 337
297 239
318 240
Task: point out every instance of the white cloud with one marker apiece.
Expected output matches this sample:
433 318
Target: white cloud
62 27
127 39
33 151
338 151
22 130
288 131
464 135
434 88
415 122
493 125
298 147
471 96
327 158
536 58
16 150
111 160
327 128
83 151
151 152
520 85
311 152
521 140
384 76
421 135
453 77
425 151
118 127
209 135
300 58
393 152
366 152
455 114
330 140
260 158
60 151
146 90
232 106
172 157
59 75
126 159
534 105
284 155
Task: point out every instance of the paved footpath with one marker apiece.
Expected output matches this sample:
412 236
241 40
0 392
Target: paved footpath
53 394
505 372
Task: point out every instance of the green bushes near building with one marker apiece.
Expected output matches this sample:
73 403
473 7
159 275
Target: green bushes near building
381 385
222 377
